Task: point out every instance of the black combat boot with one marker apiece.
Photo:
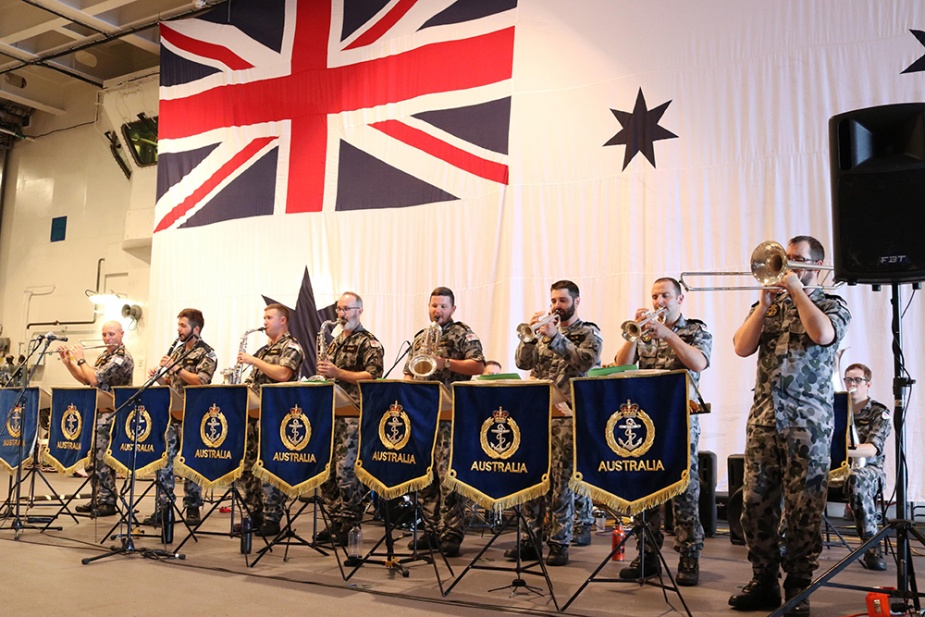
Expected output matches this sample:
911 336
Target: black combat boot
762 593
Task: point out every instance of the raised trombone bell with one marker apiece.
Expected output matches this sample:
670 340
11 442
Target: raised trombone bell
769 265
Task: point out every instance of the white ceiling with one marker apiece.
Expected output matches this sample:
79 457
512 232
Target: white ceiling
47 44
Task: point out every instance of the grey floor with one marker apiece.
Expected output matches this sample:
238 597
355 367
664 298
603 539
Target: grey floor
43 575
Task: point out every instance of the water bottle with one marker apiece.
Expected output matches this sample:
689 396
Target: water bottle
600 521
247 535
619 534
355 542
167 521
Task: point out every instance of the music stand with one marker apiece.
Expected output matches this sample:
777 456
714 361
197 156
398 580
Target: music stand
395 458
295 452
212 451
493 419
23 422
643 431
906 586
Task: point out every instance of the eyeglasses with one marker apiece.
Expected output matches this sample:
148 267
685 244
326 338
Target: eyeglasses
855 380
344 309
800 259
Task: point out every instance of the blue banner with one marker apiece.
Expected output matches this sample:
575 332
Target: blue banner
70 430
398 430
500 451
632 438
18 428
148 416
296 435
214 434
841 464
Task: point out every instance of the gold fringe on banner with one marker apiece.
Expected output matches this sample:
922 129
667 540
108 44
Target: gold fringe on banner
26 462
629 507
502 503
391 492
149 469
49 459
181 469
290 490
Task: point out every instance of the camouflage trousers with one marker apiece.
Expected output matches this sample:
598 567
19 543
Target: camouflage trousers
264 501
342 492
103 479
192 497
443 508
686 509
861 488
583 507
559 501
791 467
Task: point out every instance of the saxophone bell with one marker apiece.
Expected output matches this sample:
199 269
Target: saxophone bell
423 364
321 346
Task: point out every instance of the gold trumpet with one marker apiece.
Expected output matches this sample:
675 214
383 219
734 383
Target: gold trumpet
528 332
769 265
632 330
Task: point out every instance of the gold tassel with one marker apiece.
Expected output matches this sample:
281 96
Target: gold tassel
48 459
498 505
149 469
261 473
629 508
840 473
391 492
182 470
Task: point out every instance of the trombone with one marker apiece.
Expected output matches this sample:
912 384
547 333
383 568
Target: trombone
769 265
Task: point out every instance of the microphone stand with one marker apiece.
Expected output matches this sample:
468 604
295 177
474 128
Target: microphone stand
17 525
399 359
128 542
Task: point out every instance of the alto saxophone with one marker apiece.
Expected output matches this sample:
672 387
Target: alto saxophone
233 375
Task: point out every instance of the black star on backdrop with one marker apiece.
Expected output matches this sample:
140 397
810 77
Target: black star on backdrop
640 130
305 321
918 65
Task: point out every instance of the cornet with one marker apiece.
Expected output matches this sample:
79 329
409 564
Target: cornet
632 330
423 365
528 332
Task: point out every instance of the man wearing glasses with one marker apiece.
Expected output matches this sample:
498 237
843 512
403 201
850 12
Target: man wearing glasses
866 478
789 428
353 355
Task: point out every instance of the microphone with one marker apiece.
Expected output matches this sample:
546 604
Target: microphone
51 336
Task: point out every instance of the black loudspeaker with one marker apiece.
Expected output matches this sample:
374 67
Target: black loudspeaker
735 475
877 158
706 462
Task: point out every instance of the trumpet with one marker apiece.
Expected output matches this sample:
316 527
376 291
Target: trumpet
528 332
233 375
632 330
423 365
85 348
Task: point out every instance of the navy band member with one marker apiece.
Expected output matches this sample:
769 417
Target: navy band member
196 368
789 431
569 349
277 361
675 342
114 367
872 421
354 355
458 357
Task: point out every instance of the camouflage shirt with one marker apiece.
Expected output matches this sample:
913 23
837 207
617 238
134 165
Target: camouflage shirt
284 352
572 352
659 355
794 384
114 369
873 423
457 342
361 351
201 360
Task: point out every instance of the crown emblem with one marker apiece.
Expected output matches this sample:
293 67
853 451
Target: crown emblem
500 415
214 410
629 409
295 412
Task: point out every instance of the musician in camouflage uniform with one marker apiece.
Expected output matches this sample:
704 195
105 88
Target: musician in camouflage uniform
675 342
355 354
277 361
192 363
559 352
872 420
789 429
114 367
458 357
